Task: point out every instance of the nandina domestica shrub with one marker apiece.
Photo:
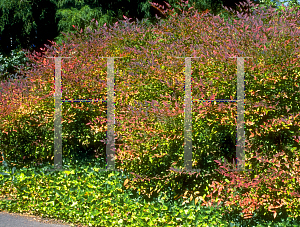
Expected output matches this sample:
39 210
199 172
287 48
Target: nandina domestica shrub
256 193
261 85
11 109
270 190
268 88
41 112
43 109
17 129
45 74
45 64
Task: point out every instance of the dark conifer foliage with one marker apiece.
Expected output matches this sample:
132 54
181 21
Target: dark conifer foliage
26 24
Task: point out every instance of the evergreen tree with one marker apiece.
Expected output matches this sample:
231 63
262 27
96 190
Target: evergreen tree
24 23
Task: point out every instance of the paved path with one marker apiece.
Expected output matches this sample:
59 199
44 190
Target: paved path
27 220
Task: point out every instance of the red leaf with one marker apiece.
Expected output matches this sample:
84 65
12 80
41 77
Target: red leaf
275 214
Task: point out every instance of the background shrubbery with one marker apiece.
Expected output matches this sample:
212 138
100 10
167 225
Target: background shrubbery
9 66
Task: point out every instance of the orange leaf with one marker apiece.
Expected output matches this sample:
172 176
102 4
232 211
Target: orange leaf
126 181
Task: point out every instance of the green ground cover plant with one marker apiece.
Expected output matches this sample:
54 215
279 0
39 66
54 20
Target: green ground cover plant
149 191
91 198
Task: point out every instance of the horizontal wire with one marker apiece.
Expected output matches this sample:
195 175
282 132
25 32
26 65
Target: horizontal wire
200 100
104 100
83 100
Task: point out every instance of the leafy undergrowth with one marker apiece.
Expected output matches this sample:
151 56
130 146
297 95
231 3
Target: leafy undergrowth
84 195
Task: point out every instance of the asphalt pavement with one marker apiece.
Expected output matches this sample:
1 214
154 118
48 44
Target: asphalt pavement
27 220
